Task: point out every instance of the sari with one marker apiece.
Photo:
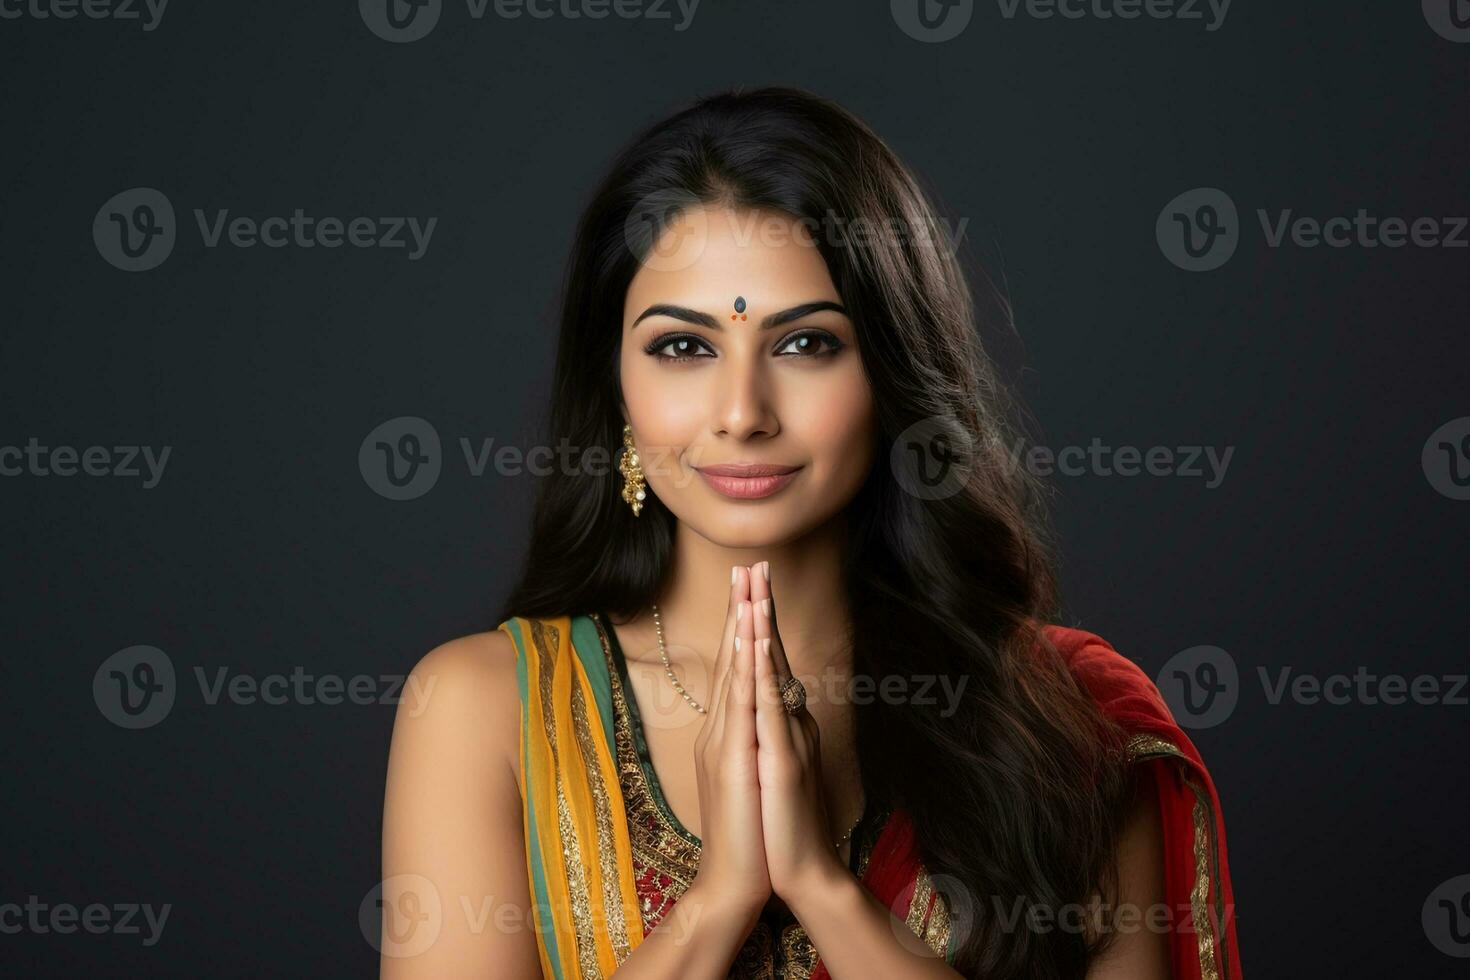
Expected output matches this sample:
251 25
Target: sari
606 859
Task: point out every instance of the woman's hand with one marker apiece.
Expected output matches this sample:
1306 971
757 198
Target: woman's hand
732 863
799 852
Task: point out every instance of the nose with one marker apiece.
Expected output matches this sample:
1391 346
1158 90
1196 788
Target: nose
744 408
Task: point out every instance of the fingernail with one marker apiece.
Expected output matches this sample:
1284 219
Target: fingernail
766 645
766 570
737 644
732 574
766 606
739 614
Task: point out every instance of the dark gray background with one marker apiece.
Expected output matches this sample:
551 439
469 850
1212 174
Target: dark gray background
1325 549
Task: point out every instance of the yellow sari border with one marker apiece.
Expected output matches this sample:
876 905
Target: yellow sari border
579 857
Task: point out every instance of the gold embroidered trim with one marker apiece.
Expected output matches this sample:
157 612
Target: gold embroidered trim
1148 746
664 849
1199 896
612 898
1206 857
547 639
928 914
919 904
799 954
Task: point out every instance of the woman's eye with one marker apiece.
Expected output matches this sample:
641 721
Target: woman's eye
681 348
809 344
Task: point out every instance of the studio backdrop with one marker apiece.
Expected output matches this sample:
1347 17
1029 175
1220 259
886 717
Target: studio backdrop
279 308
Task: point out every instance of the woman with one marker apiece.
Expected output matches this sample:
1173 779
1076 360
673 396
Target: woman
813 484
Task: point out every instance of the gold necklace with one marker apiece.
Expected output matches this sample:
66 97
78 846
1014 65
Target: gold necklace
668 668
663 654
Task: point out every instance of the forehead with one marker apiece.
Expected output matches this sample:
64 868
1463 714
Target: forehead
708 256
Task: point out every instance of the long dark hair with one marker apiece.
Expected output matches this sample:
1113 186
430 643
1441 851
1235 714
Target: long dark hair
1016 795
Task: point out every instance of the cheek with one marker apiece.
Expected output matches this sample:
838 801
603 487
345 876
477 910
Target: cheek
837 428
665 418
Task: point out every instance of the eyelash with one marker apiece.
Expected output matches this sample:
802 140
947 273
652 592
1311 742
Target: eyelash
660 342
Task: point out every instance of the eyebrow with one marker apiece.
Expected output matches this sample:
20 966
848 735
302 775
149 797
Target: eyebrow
705 320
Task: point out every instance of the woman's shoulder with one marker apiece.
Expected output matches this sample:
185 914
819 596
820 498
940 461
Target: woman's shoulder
464 690
1122 690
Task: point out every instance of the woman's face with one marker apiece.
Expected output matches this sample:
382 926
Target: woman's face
742 381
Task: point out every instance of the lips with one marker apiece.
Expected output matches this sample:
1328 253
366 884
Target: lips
747 481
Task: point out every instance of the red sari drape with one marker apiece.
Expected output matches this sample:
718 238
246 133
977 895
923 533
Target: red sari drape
1198 893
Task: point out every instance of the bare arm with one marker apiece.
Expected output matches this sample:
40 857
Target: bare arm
1139 952
455 892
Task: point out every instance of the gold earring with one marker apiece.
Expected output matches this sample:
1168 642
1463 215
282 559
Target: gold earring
634 491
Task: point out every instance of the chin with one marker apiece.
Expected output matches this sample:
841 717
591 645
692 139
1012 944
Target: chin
765 524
